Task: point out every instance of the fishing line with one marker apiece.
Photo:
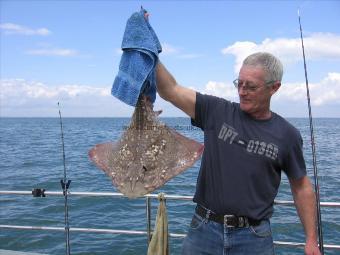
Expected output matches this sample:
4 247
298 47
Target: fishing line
65 184
316 182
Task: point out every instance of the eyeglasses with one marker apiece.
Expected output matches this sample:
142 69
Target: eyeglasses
248 86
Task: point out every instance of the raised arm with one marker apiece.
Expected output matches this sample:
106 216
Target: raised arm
305 203
169 90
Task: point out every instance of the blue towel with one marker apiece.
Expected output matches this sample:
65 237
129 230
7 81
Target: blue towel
136 73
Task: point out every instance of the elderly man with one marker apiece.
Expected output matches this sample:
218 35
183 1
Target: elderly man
246 148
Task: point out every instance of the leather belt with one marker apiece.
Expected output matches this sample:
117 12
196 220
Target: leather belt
228 220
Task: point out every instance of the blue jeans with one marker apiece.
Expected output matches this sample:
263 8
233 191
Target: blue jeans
209 237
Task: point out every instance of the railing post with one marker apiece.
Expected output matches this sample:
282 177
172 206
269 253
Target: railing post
148 218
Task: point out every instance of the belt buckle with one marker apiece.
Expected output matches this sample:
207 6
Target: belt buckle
225 220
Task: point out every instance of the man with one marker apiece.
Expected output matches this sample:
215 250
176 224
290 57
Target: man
246 148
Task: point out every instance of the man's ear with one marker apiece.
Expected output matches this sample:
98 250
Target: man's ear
275 87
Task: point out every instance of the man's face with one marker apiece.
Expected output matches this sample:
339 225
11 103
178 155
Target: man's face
254 93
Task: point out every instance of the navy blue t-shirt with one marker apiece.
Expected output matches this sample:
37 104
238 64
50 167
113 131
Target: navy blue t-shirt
243 158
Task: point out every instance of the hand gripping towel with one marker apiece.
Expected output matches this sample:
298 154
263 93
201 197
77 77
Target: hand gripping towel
136 73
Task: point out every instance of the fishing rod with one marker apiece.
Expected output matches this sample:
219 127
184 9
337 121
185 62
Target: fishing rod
316 182
65 184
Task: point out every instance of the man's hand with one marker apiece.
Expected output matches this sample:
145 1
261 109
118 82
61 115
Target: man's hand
312 248
305 203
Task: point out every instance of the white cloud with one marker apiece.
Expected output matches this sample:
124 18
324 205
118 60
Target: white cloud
11 28
20 88
221 89
325 92
170 50
317 46
24 98
48 49
53 52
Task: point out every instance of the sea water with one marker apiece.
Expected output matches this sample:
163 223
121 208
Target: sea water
31 157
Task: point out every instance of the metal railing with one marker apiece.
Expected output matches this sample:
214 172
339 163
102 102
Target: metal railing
148 231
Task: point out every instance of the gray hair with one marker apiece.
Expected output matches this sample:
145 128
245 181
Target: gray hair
270 64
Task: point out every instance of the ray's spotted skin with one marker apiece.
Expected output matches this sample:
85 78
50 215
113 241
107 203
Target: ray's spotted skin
147 155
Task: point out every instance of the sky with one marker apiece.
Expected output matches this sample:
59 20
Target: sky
69 52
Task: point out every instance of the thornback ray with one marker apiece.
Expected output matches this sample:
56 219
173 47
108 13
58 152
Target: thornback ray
147 155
